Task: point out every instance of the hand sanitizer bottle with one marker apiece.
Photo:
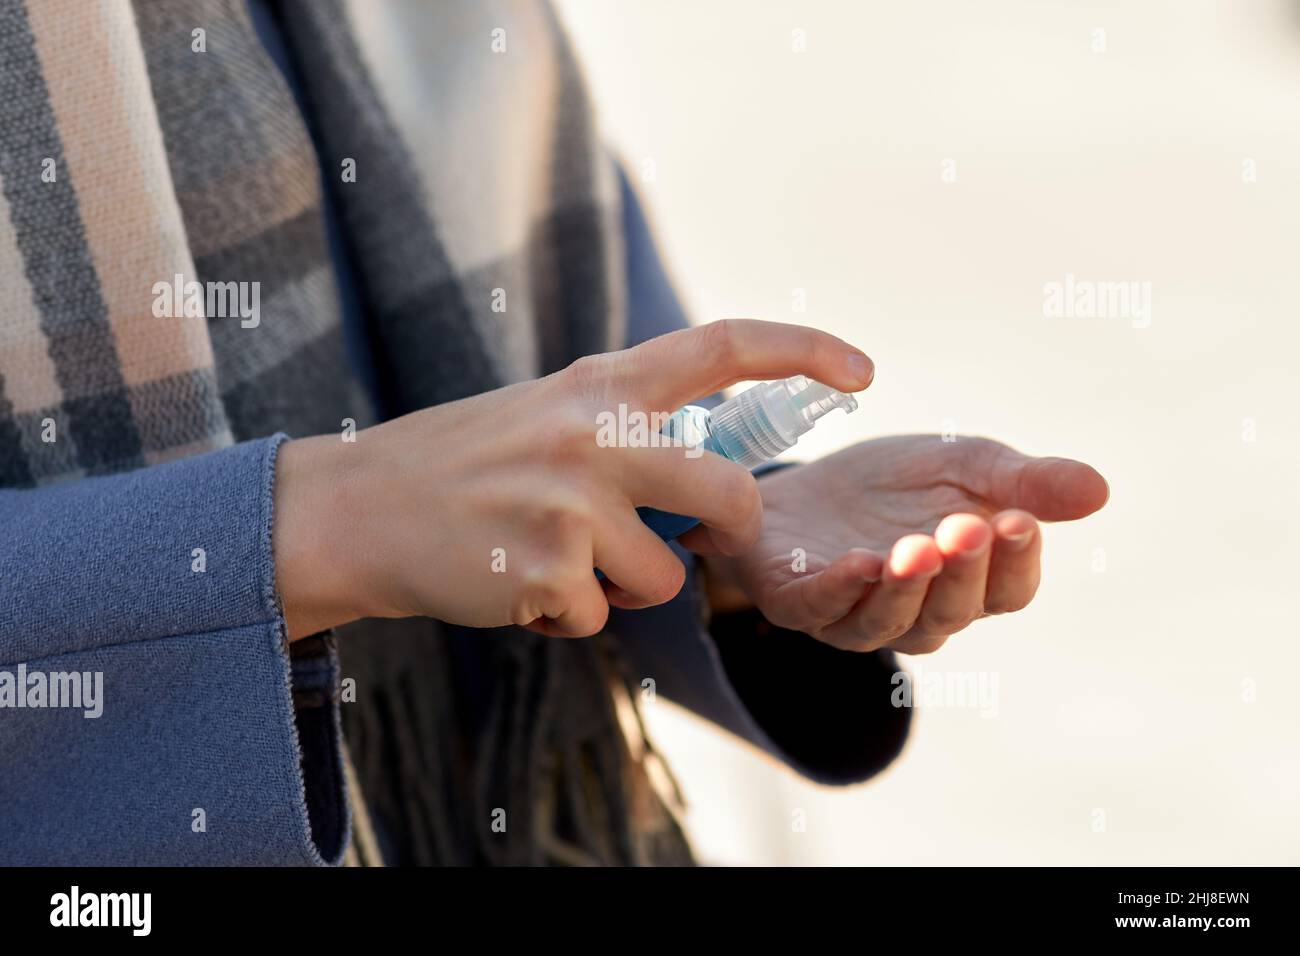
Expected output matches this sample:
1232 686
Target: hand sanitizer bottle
752 428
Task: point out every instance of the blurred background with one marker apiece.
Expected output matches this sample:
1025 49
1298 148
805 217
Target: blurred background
911 177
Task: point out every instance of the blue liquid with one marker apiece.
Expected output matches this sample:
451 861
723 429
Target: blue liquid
666 524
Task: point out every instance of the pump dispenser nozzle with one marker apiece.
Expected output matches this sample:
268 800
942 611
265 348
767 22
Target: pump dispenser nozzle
765 420
754 427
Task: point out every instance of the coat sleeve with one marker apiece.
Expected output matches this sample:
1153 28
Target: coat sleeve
826 713
144 605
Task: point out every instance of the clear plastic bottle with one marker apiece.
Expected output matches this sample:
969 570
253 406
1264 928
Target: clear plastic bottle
751 428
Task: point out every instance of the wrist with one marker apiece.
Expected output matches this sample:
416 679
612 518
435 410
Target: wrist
314 538
721 584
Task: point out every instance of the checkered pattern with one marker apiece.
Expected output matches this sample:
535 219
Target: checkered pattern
478 170
90 381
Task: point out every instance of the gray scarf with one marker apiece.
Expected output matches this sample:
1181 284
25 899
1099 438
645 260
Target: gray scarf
477 169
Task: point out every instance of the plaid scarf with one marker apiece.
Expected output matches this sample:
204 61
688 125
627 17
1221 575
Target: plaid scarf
148 141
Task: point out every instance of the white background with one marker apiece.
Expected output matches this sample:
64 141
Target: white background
1119 690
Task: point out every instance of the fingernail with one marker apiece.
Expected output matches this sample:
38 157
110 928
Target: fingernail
861 367
1018 540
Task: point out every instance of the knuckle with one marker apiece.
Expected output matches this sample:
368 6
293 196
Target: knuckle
742 502
522 613
539 595
572 433
812 345
1010 601
563 517
541 586
552 591
949 622
886 631
584 374
928 644
721 342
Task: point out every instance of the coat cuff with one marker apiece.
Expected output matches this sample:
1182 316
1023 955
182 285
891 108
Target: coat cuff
214 745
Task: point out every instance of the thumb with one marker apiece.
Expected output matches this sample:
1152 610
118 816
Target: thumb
1051 489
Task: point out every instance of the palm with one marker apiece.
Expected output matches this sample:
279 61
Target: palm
867 496
848 525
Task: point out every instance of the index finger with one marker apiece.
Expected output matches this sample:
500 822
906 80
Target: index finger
671 370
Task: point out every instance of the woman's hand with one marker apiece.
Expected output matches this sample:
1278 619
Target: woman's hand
902 542
494 510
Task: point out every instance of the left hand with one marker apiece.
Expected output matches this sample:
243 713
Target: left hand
907 540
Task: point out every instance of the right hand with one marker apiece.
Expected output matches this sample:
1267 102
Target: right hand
407 519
